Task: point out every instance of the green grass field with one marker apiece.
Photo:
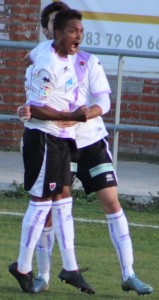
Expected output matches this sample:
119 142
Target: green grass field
93 247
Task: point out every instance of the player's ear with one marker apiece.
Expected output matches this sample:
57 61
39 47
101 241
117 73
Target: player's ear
57 33
45 32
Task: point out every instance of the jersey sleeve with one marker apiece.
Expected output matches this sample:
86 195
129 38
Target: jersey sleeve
33 53
38 49
98 82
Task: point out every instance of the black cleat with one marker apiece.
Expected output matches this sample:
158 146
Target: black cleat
76 279
25 281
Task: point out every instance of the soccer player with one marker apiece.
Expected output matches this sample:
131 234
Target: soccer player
92 164
51 87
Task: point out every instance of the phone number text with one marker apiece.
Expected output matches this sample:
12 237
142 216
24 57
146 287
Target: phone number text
116 40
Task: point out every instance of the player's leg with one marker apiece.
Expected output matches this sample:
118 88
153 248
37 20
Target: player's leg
46 241
120 237
63 226
44 249
39 206
97 175
64 230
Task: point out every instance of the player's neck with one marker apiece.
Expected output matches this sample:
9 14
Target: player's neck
59 50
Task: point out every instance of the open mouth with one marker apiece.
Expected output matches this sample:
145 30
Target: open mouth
74 47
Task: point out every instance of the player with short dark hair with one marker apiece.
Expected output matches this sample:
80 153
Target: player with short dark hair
92 164
51 86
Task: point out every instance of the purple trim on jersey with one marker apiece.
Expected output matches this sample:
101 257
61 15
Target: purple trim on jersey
30 233
35 103
73 106
101 93
75 92
80 65
63 133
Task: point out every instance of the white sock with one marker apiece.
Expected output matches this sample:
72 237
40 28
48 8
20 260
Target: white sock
64 231
43 252
119 234
32 226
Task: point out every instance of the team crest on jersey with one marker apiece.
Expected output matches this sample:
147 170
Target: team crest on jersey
52 186
82 63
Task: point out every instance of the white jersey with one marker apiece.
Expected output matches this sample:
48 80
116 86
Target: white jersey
92 83
41 47
51 81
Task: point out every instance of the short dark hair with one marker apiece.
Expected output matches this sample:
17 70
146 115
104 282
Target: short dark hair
53 7
63 16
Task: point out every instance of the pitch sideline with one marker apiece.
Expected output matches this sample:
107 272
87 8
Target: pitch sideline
85 220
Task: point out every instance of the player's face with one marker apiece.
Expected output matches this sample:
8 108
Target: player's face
48 32
70 39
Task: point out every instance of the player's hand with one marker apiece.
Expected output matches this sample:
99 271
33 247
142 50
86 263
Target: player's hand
81 113
24 113
63 124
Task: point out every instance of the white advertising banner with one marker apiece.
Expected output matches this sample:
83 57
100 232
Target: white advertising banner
121 24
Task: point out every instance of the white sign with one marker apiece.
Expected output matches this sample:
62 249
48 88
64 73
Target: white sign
129 25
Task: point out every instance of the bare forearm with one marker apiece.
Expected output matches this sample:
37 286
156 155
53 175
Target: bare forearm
48 113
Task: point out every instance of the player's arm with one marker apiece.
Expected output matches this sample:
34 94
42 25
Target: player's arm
101 106
27 59
99 87
48 113
99 109
30 57
45 112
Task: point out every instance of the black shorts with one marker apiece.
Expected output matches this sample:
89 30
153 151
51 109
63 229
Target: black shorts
46 163
92 165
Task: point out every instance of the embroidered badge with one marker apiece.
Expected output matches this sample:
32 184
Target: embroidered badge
45 91
52 186
82 63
